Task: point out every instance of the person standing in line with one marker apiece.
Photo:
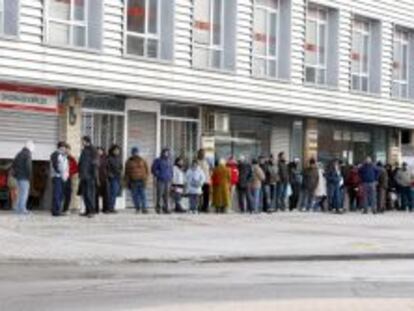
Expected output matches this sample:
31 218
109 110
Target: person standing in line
310 183
88 176
334 180
178 184
398 200
22 171
265 191
59 169
296 179
162 170
221 180
257 180
243 186
382 187
353 184
283 181
71 182
273 179
195 180
321 190
204 165
136 178
234 179
102 189
404 179
391 189
369 177
115 168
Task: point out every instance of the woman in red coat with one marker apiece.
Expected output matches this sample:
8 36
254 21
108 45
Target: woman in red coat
234 179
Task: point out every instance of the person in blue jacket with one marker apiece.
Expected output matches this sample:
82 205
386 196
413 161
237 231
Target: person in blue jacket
162 169
334 182
369 173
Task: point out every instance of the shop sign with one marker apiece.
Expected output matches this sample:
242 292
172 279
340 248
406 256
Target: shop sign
28 98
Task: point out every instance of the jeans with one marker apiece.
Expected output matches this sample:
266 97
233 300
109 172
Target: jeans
23 195
114 190
406 198
369 196
178 196
334 197
193 198
88 187
245 199
308 199
162 195
266 197
139 196
281 190
67 194
57 184
256 194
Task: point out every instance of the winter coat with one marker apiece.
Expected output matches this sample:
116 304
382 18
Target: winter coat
382 178
178 180
234 172
295 175
273 173
368 173
115 166
221 180
103 169
266 172
88 164
403 178
352 179
136 169
195 180
162 169
333 178
245 175
205 167
73 166
283 172
22 165
258 176
59 165
321 189
311 178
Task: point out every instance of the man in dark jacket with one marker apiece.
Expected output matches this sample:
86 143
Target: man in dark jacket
88 174
382 187
283 180
115 168
310 182
162 170
59 171
102 187
243 186
265 191
369 176
295 178
22 171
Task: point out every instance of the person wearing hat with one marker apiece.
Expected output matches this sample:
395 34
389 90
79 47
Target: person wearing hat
22 172
136 177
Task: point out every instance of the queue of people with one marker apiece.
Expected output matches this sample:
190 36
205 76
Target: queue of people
266 184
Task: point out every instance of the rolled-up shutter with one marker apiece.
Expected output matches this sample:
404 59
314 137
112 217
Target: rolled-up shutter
11 17
142 133
95 22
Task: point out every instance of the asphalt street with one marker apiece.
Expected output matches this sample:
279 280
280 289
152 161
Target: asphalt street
49 286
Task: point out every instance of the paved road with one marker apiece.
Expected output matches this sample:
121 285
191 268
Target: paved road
232 286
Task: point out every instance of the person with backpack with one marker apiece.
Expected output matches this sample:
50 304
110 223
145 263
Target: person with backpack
115 168
22 172
59 171
136 178
162 170
195 181
88 176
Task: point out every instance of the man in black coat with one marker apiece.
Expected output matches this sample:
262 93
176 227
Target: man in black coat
243 185
88 176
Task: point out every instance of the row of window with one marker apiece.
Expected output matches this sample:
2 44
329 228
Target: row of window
149 33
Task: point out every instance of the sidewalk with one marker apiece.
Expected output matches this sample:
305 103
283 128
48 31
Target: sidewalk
127 237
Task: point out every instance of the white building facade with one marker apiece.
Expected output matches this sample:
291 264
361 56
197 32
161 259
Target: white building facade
323 78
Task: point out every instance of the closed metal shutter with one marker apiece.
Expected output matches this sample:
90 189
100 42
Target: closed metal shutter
142 133
18 127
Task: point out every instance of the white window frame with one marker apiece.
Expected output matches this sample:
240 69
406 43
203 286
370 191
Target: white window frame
402 42
319 22
211 47
267 58
361 74
146 35
71 23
